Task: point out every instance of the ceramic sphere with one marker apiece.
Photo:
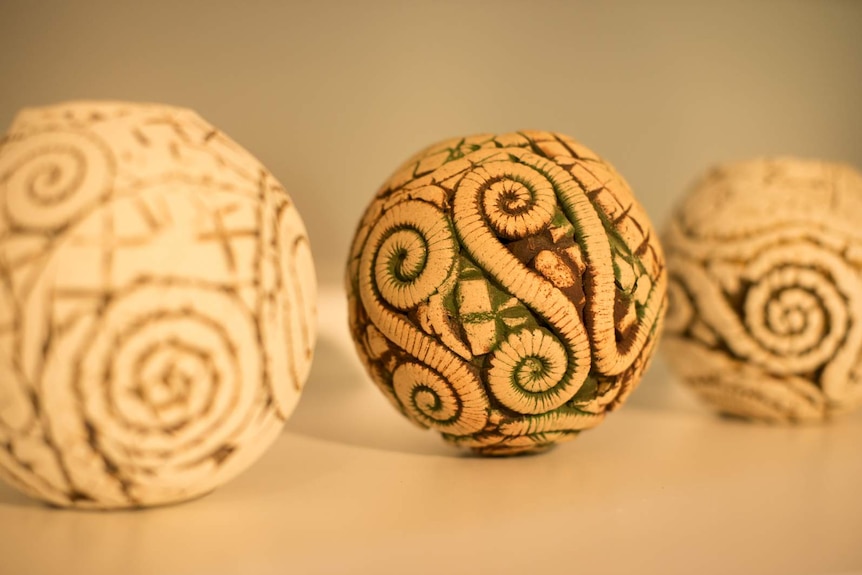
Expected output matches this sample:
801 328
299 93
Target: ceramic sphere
765 264
506 290
157 305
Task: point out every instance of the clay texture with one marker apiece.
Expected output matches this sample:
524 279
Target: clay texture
765 316
157 305
506 290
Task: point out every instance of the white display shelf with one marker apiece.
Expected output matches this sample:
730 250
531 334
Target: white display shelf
662 486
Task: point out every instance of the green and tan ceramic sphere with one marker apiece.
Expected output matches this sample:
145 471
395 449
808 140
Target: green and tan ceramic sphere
506 290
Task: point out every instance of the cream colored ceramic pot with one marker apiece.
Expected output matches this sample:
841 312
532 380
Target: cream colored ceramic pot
765 317
157 306
506 290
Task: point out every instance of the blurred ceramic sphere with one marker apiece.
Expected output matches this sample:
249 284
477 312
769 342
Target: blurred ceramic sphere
765 314
157 305
506 290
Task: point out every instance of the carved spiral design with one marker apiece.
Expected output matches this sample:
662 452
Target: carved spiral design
526 370
46 179
517 199
164 376
430 399
797 310
797 315
794 317
415 254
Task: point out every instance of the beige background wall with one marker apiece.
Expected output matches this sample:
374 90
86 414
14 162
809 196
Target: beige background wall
333 95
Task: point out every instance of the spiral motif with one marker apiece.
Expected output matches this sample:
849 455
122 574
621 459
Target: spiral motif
526 371
49 178
517 200
415 253
791 312
484 297
432 400
797 315
162 379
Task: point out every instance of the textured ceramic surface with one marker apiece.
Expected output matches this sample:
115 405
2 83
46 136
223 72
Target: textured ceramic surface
157 306
765 316
506 290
